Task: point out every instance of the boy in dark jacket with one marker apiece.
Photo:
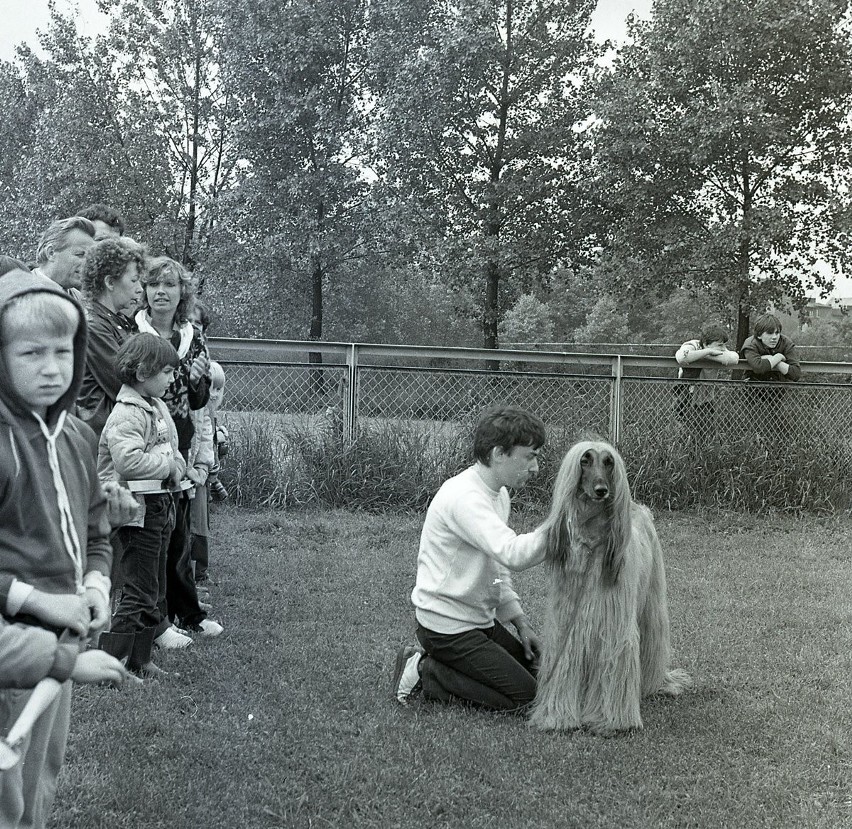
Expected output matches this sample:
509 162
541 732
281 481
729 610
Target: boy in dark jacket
769 354
55 553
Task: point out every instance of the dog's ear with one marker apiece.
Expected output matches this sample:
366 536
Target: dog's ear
558 542
619 524
613 557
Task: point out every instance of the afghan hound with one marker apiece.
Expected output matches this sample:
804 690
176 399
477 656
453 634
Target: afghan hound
606 643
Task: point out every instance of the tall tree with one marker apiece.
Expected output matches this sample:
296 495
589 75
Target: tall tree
723 149
85 136
478 103
168 55
299 86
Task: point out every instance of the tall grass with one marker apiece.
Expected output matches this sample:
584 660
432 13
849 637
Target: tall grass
744 474
281 461
278 462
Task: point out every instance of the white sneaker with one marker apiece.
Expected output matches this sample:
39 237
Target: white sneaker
170 639
207 627
181 631
406 675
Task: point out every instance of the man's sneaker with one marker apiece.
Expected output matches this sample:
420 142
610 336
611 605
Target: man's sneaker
206 627
170 639
406 676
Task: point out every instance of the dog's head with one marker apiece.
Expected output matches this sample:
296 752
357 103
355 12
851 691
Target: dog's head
592 481
592 472
597 465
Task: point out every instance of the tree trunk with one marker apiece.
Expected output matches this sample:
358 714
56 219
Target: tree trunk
743 259
189 233
491 312
317 273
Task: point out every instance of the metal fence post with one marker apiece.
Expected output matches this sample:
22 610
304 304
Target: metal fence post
350 425
615 402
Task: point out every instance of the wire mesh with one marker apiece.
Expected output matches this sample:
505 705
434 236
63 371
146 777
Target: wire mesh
567 404
686 443
737 444
297 388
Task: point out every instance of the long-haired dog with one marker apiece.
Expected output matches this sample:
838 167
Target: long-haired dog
606 643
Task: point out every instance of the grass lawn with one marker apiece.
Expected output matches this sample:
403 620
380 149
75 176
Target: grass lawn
286 720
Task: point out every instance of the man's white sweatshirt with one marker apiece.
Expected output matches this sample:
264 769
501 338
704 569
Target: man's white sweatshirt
466 552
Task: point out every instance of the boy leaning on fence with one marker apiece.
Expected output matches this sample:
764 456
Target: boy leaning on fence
463 595
55 553
770 354
693 401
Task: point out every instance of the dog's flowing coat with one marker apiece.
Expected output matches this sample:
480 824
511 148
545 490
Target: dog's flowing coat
607 638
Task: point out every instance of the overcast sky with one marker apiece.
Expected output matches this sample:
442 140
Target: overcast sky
21 19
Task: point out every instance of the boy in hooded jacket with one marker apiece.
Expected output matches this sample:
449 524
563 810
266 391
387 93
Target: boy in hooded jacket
55 554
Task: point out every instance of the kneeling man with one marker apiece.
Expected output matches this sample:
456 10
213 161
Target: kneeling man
463 595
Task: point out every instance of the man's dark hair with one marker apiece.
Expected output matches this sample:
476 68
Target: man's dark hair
104 213
767 324
146 354
506 427
203 314
714 334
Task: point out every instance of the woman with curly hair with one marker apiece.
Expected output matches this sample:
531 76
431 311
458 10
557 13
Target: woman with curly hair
111 288
169 294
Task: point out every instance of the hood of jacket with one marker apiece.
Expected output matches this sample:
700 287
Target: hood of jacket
17 284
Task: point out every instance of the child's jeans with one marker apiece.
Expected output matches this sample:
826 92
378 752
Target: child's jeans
27 790
143 566
200 551
181 600
199 527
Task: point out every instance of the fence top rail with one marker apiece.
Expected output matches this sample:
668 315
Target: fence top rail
285 351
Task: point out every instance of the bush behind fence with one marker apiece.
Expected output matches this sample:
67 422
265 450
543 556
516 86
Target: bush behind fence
744 446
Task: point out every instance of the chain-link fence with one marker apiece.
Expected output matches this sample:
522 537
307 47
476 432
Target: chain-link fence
686 443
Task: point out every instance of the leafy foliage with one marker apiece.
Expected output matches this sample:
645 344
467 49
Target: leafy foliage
722 148
445 172
479 101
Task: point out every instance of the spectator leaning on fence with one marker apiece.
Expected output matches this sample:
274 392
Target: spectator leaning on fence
769 354
709 346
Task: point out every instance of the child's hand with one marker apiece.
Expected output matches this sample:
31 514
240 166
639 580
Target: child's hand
196 475
122 507
61 610
173 478
98 666
98 609
199 368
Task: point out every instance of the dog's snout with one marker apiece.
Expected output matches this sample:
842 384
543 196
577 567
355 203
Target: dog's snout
601 490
